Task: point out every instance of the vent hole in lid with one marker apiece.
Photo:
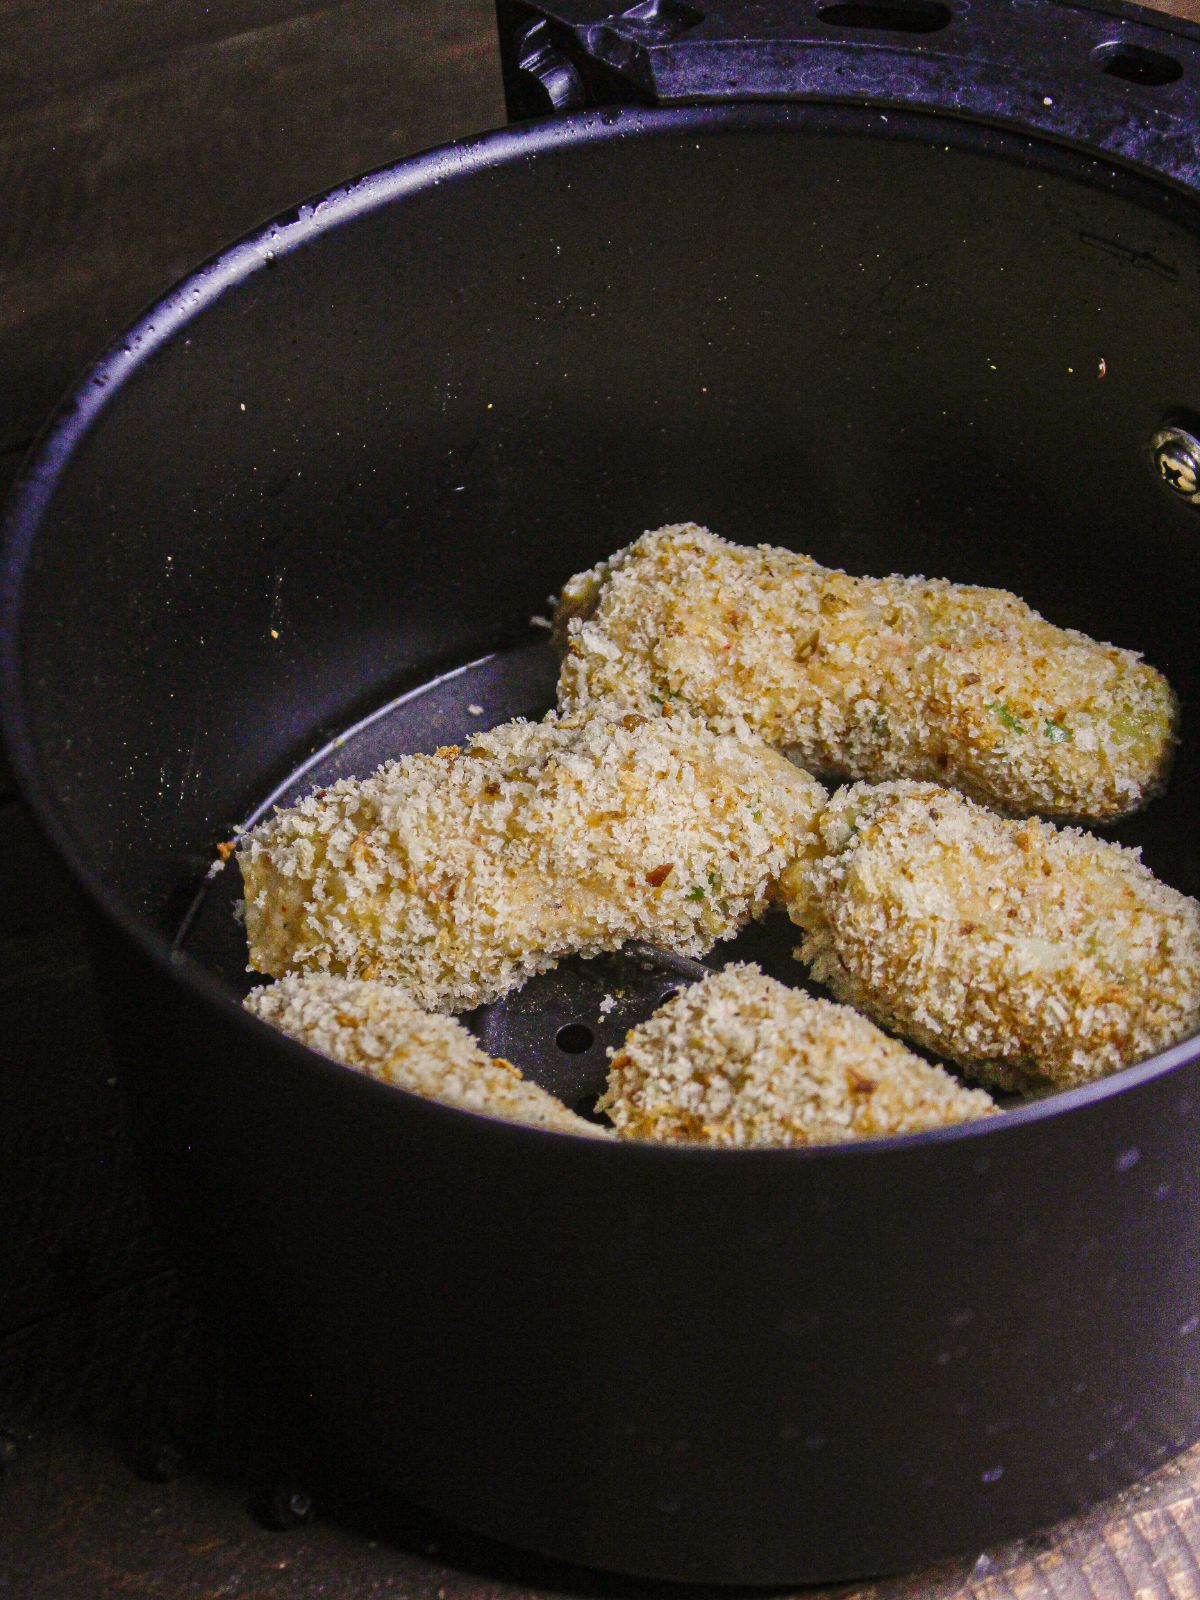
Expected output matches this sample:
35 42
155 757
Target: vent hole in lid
667 994
1134 63
574 1038
898 16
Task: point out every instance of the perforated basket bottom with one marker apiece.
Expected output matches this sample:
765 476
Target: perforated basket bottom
560 1027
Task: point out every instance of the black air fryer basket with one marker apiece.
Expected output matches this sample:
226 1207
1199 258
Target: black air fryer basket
909 286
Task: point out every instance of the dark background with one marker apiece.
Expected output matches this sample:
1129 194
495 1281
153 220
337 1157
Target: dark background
136 138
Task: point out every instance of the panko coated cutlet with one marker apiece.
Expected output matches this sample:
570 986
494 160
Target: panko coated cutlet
741 1059
1029 955
376 1028
873 678
462 873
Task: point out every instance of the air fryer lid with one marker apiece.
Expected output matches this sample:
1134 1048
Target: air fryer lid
361 449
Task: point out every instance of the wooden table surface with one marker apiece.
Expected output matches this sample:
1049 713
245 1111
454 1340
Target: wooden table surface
136 137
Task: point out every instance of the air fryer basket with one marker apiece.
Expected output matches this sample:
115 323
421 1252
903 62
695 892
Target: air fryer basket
302 516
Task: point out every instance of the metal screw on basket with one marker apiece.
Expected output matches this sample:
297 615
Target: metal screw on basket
1177 459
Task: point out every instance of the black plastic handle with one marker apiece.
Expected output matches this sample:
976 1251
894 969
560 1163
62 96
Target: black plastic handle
1117 79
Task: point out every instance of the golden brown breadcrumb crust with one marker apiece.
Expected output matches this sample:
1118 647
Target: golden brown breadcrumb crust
462 873
741 1059
376 1028
1027 954
874 678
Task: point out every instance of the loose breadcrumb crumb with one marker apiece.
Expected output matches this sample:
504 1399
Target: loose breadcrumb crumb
870 678
741 1059
376 1028
1029 955
462 873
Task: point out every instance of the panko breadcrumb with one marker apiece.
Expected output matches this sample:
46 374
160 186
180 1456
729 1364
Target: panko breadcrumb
1031 956
741 1059
462 873
870 678
376 1028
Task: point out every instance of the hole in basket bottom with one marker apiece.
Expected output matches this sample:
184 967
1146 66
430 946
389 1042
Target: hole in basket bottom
575 1038
900 16
1136 64
585 1107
